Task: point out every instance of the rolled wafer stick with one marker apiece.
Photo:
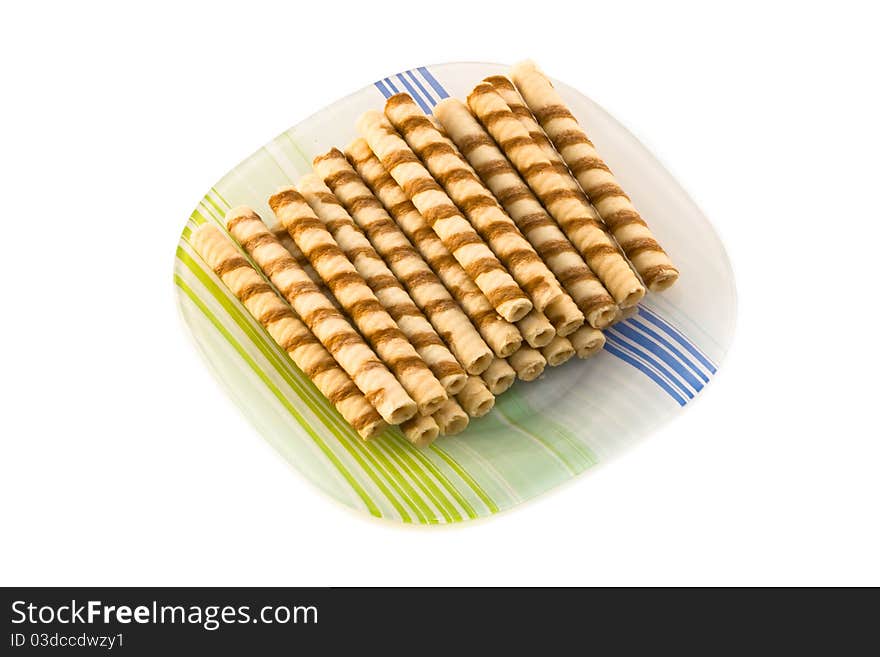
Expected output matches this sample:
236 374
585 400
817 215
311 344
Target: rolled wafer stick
466 189
614 206
577 218
528 363
328 324
499 376
587 341
536 329
420 430
287 330
626 314
281 234
443 216
353 293
501 336
384 284
539 227
475 397
558 351
451 418
424 287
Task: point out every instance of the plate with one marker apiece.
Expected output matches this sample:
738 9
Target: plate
540 434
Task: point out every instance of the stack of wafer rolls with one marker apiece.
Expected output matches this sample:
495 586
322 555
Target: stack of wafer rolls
502 336
326 322
467 190
444 217
384 284
614 206
528 213
358 300
499 376
426 290
576 217
287 330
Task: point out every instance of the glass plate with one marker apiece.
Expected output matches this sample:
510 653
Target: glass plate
540 434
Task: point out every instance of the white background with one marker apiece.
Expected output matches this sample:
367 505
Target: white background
123 462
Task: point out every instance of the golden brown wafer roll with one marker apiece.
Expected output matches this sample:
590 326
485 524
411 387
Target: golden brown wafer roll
502 336
328 324
287 330
614 206
499 376
420 430
626 314
528 363
384 284
443 216
451 418
281 234
407 264
539 227
353 293
536 329
466 189
587 341
558 351
577 218
475 397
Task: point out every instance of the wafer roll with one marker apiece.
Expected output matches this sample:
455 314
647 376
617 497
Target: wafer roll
327 323
502 336
451 418
384 284
475 397
468 192
614 206
528 363
576 217
536 329
424 287
539 227
625 315
558 351
353 293
420 430
499 376
287 330
444 217
586 341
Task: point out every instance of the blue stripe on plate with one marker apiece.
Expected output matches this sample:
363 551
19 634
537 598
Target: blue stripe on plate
428 97
433 82
658 321
391 85
645 357
644 328
382 88
416 95
649 344
648 372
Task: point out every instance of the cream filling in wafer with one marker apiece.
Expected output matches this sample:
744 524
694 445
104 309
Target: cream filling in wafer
528 363
558 351
526 210
426 290
501 336
595 178
383 283
353 293
287 330
475 397
378 385
443 216
576 217
499 376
